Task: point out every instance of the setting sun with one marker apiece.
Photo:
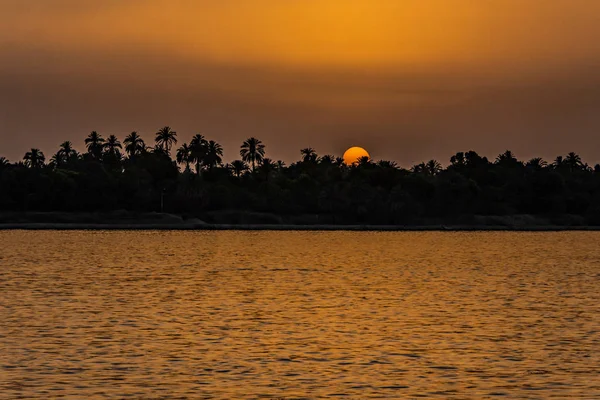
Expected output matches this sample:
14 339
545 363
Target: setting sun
353 154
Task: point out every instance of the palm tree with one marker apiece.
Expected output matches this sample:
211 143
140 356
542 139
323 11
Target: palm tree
67 150
327 159
65 153
159 150
387 164
506 158
252 151
95 143
134 144
420 168
112 152
55 160
432 167
112 144
34 158
198 151
308 154
573 160
238 167
536 163
166 138
4 162
363 161
183 156
280 165
266 167
214 152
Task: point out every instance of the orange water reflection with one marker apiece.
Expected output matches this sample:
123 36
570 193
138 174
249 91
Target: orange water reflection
299 314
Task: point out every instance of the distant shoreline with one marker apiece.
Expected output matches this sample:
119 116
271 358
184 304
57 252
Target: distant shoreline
283 227
240 221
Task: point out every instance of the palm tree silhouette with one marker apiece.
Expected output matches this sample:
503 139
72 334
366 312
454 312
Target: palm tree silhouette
112 144
363 161
573 161
166 138
507 159
432 167
198 150
308 154
4 162
536 163
56 160
238 167
266 167
67 150
158 149
280 165
214 152
420 168
183 156
112 152
65 153
95 143
327 159
34 158
387 164
558 162
134 144
252 151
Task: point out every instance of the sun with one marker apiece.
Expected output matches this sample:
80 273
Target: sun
353 154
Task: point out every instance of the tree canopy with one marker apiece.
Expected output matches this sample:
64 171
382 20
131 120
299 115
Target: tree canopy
314 189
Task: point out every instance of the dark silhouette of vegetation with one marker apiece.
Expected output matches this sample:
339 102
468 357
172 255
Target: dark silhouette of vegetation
95 144
113 175
198 150
252 151
34 159
134 145
238 167
166 138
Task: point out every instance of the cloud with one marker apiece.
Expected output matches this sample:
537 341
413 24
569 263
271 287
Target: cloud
317 33
408 80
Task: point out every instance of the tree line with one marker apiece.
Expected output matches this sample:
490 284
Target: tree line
192 180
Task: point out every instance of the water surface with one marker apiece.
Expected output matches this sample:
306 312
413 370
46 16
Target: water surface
224 315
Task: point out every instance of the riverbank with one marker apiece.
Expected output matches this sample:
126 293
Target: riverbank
120 220
285 227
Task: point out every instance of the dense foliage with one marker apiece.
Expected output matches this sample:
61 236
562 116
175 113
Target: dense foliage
112 175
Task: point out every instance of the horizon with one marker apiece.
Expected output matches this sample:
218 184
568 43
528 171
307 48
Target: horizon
150 145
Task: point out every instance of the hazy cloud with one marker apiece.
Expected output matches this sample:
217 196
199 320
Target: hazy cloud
408 80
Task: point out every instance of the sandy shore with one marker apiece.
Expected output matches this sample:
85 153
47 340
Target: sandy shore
282 227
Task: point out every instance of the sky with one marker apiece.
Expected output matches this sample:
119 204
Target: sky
409 80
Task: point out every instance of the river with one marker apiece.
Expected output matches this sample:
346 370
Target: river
299 315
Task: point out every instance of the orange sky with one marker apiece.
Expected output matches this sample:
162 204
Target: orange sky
408 80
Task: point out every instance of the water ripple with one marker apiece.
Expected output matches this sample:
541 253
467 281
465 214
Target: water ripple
299 315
